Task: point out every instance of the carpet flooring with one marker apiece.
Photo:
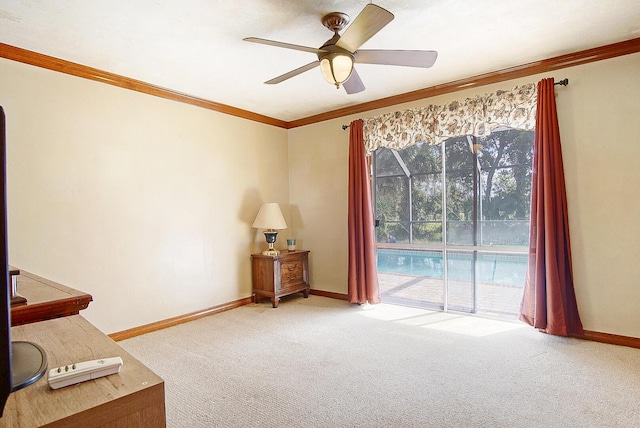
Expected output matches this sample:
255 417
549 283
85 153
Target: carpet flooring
321 362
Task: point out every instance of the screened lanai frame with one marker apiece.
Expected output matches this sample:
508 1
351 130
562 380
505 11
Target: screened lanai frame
484 171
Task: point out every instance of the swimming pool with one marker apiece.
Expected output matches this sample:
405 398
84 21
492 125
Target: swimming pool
493 268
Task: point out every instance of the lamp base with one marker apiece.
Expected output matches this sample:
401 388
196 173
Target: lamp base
270 252
270 236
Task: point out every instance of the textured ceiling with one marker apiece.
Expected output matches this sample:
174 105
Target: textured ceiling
195 46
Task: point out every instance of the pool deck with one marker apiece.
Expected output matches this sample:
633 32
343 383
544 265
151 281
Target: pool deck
495 300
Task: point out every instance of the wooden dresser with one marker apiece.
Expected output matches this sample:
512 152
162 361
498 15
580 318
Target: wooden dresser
281 275
45 299
134 397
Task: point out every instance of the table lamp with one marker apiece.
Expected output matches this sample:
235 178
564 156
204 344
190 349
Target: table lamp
270 218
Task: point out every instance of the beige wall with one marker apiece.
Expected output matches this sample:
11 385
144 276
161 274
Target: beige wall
318 172
147 203
601 149
144 203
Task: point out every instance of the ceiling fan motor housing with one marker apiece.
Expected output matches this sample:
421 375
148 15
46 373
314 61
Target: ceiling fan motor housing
335 21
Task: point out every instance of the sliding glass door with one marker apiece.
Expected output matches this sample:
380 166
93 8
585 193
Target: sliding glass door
453 222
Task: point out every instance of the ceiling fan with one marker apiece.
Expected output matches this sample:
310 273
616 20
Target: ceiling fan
338 54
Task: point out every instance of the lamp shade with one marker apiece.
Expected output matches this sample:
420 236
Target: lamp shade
336 68
269 217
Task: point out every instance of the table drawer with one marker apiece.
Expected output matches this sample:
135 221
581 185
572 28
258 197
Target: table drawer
291 273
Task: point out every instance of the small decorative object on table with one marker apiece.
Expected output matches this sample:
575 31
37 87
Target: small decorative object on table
291 244
16 299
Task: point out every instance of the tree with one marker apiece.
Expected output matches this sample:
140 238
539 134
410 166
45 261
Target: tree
490 188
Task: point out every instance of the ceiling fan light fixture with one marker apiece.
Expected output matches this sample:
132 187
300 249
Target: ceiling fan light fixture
336 67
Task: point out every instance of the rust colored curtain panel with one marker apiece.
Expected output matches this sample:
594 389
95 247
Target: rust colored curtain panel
549 301
363 274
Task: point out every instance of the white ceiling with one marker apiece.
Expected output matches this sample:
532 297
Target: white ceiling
195 46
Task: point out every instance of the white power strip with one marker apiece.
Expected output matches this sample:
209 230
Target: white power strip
80 372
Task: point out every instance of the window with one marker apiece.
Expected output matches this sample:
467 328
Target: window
454 222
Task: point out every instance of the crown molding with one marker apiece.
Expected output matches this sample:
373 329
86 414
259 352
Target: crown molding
79 70
544 66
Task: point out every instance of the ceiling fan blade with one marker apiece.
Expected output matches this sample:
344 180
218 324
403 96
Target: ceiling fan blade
354 84
371 20
424 59
283 45
293 73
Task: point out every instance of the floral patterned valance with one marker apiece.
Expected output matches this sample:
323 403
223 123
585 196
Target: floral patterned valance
434 124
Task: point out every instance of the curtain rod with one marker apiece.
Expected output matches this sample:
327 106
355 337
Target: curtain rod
563 82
